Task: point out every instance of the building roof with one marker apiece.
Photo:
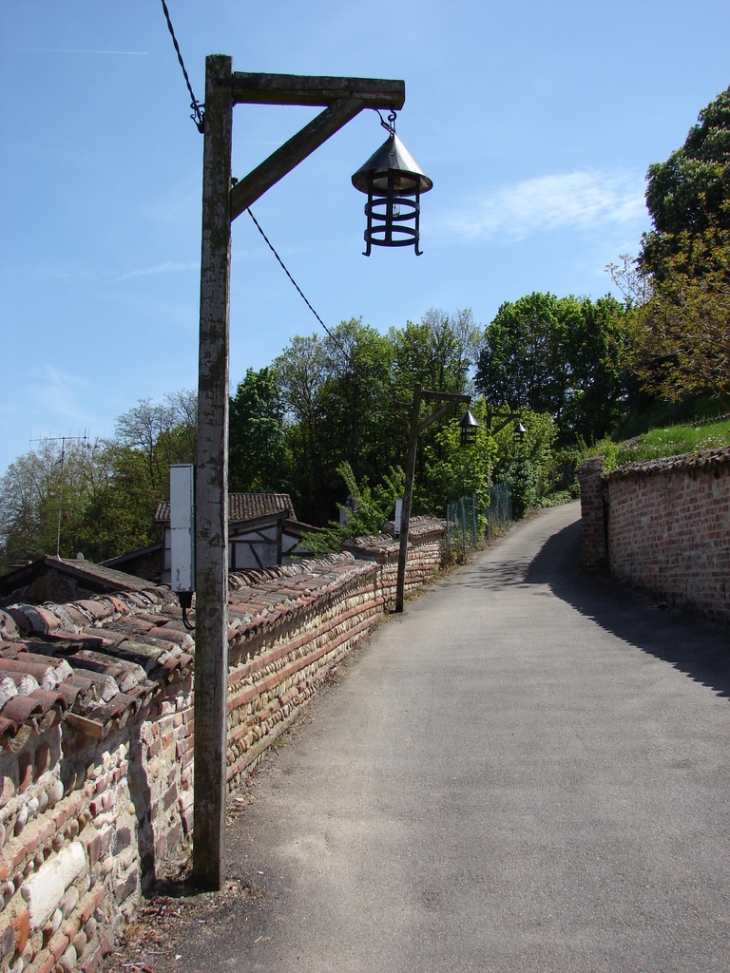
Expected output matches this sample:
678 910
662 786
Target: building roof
94 577
112 562
243 506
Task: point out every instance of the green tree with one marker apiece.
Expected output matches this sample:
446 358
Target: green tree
563 356
439 352
148 439
689 194
53 479
363 414
300 372
257 454
452 471
682 332
526 460
598 350
371 508
523 361
347 399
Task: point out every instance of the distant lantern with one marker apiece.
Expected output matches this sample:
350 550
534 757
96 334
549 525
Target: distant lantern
520 431
393 181
468 426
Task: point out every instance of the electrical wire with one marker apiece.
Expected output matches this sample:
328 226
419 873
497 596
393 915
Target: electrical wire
197 117
197 106
301 292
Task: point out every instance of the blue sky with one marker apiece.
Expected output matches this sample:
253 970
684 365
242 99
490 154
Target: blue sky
536 121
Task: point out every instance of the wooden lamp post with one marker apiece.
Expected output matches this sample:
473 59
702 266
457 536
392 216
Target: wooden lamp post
417 426
342 99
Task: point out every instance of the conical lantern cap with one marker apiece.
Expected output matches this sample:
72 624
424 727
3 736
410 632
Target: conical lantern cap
468 421
393 157
468 426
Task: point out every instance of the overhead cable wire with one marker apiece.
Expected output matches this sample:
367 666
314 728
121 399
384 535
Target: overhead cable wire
197 117
197 106
301 292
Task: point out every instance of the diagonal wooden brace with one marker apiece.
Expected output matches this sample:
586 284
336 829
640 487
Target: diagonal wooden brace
291 153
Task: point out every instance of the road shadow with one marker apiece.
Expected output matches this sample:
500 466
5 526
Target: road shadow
694 645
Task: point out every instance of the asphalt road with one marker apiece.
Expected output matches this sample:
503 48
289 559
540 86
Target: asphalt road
527 771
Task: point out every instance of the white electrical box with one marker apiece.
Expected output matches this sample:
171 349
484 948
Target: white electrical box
398 518
182 527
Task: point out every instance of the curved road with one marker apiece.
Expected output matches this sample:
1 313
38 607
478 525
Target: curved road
527 771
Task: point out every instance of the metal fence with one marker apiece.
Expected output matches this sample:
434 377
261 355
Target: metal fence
461 527
499 512
465 523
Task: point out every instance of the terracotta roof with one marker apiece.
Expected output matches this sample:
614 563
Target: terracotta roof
263 601
377 545
92 663
95 662
243 506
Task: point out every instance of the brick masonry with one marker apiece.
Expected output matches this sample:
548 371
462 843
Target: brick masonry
92 812
664 526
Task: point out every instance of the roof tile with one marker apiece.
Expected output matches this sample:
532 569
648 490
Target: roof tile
21 708
95 662
244 506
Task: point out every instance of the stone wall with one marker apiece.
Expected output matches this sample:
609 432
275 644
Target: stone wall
664 526
84 825
96 732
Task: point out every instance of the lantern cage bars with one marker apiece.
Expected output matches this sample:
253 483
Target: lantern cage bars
468 426
393 182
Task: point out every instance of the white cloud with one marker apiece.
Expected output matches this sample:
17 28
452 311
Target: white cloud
57 395
575 200
170 266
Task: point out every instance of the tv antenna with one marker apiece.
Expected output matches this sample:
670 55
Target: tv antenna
62 440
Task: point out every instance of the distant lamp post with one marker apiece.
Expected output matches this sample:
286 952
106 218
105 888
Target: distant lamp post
393 182
520 431
468 427
418 425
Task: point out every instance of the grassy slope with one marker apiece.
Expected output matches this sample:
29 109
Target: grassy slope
670 441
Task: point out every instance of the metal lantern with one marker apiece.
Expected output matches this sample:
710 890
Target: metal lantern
520 431
468 426
393 181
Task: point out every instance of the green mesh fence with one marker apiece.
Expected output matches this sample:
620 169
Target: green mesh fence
465 522
461 527
499 512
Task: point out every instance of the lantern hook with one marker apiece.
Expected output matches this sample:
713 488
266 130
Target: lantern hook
389 126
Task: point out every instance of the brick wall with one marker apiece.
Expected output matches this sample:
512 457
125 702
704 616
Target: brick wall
95 803
594 554
667 524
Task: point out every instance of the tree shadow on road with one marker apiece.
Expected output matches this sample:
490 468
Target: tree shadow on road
693 645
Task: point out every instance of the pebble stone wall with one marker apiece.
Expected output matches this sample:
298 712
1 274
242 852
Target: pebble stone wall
85 825
92 813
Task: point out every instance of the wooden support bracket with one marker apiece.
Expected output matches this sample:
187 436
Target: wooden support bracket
343 99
